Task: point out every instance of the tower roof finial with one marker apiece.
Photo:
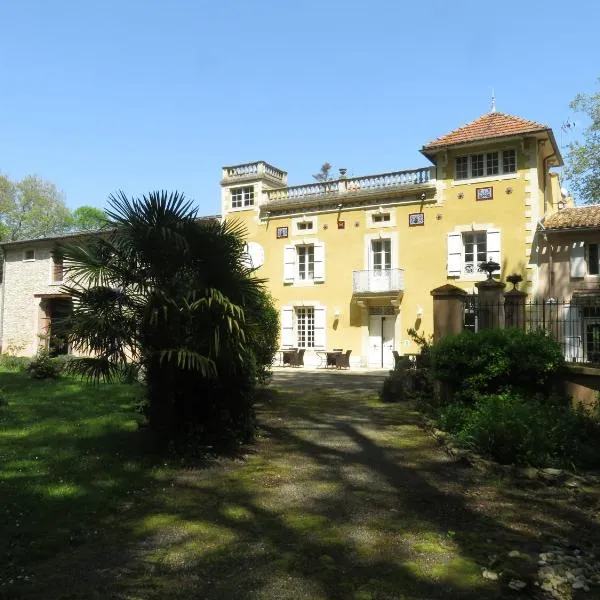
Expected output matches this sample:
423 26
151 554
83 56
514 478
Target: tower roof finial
493 101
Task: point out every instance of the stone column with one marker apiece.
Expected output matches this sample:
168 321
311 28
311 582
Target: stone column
448 311
491 304
514 308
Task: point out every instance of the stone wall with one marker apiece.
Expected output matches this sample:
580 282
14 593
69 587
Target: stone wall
23 280
582 384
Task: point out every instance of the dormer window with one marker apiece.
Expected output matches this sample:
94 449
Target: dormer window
486 164
242 196
304 225
381 217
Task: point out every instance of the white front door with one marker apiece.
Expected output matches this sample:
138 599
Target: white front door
381 340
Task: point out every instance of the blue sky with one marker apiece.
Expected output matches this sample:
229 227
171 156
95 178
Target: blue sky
145 94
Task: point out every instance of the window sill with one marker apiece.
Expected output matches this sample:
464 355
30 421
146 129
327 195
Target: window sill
302 282
468 277
478 180
242 208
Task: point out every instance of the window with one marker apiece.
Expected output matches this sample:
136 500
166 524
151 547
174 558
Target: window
592 262
57 270
305 327
304 225
584 259
468 249
381 254
381 217
462 167
475 251
29 255
242 196
477 165
485 164
509 161
306 262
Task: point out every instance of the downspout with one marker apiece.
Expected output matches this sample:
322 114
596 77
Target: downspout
546 174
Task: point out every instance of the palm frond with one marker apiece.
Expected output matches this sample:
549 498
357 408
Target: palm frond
189 360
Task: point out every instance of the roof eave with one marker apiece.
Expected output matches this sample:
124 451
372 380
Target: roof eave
430 151
569 229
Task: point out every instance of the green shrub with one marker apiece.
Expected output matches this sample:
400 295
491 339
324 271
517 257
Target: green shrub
14 363
61 362
537 431
407 382
471 364
44 367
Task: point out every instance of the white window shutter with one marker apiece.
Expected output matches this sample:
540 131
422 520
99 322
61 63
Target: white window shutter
319 262
573 334
320 326
578 259
455 250
289 263
287 327
493 245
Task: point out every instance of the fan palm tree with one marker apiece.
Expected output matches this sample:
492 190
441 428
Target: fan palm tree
166 291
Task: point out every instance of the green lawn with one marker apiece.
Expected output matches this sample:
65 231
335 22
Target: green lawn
341 497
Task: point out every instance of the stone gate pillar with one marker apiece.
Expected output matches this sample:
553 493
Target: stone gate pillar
491 304
514 308
448 311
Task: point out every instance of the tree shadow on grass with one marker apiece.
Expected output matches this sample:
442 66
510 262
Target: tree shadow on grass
326 505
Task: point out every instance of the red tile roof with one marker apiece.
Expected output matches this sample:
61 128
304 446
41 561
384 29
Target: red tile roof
580 217
490 125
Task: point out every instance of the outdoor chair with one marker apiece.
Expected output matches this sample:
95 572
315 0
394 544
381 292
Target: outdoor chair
288 356
342 361
332 358
396 358
298 358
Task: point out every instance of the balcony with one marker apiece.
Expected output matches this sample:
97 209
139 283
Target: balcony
255 170
347 188
371 283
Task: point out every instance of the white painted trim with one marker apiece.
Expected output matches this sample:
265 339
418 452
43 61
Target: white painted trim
479 180
496 177
382 235
380 210
305 219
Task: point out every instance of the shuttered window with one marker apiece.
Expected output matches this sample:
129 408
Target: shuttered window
466 251
57 270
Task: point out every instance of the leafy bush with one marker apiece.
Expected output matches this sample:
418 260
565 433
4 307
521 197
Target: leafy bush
494 360
263 335
538 431
61 362
44 367
409 380
14 363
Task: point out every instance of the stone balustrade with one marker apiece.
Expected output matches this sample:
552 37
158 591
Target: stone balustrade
378 281
365 184
396 179
253 170
302 191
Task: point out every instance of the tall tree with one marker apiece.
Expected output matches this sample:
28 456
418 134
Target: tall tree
583 158
86 218
324 174
173 294
31 208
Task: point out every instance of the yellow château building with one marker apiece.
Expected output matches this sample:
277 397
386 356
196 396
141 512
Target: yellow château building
351 262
